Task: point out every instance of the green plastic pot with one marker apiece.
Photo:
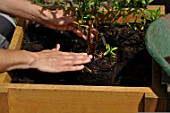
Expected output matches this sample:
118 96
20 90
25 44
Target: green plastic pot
158 41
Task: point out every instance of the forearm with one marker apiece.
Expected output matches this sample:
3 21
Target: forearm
16 59
25 9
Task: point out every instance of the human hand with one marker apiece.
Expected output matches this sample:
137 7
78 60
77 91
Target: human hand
57 61
59 20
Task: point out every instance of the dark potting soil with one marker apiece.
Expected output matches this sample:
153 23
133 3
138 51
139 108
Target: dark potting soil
167 59
132 67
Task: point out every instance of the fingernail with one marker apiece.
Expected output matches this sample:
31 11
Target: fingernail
85 54
82 66
84 37
90 56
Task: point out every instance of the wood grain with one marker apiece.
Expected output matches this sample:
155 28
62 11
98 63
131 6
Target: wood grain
35 98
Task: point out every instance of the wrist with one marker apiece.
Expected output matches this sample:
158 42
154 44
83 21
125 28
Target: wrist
23 60
31 58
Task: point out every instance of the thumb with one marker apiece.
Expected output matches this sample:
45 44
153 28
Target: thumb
57 47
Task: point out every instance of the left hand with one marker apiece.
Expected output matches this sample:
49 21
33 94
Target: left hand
60 21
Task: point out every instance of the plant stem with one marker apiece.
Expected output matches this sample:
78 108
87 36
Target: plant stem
89 49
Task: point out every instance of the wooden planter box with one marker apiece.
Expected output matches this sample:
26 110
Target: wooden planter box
42 98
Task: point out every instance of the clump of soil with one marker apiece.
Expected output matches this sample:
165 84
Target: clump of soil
167 59
132 67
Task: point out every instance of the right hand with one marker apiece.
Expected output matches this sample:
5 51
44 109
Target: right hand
57 61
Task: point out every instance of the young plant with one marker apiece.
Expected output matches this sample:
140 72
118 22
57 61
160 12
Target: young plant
110 50
86 13
90 12
149 15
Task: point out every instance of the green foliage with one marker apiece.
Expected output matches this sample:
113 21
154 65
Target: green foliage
88 11
40 3
152 14
136 3
110 50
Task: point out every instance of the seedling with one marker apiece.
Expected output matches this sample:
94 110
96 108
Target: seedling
88 14
150 15
110 50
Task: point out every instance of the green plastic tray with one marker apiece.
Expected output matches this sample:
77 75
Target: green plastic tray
158 41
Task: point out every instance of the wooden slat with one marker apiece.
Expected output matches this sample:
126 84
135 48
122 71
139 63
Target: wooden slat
130 18
155 7
2 77
148 104
26 98
68 100
17 38
31 95
4 108
5 78
78 88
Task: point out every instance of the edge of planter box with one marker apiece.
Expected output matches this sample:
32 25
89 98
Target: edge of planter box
18 98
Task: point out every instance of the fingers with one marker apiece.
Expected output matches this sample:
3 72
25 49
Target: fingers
77 60
75 56
57 47
73 27
72 68
68 23
67 68
70 59
57 61
79 33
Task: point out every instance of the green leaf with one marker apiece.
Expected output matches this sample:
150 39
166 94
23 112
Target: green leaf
128 1
150 1
86 26
108 50
143 2
38 2
114 48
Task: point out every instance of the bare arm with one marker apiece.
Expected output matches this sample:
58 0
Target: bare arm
47 60
23 8
15 59
51 18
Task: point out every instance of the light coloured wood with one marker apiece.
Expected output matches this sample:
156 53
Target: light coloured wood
149 103
5 78
29 98
155 7
17 38
130 18
72 99
4 108
53 101
147 90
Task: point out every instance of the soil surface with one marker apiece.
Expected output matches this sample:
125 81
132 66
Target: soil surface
131 67
167 59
